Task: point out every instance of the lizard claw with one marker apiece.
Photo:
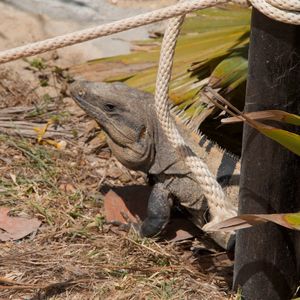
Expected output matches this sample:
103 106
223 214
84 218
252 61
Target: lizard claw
129 223
121 226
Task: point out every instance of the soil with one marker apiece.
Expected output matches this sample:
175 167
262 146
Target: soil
55 166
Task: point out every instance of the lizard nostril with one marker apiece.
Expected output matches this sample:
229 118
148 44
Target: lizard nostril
81 93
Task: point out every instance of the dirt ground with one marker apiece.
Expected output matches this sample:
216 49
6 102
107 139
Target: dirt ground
54 163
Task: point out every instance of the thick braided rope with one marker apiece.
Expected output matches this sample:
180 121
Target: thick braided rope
290 5
286 11
219 208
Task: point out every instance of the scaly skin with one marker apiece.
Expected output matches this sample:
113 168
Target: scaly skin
128 118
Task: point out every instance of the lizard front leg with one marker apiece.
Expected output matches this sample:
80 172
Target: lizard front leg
158 212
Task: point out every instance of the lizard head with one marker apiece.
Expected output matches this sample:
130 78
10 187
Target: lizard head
122 113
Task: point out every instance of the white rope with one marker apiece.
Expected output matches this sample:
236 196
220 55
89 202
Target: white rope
290 5
219 208
276 9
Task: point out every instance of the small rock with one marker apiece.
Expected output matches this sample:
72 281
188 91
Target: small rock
61 145
114 172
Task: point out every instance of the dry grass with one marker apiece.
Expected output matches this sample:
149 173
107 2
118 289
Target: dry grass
75 254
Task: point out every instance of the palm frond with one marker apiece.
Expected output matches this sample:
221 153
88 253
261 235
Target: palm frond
211 50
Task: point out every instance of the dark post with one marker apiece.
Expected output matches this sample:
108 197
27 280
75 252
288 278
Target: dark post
266 255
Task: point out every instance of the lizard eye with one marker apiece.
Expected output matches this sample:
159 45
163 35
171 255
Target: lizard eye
109 107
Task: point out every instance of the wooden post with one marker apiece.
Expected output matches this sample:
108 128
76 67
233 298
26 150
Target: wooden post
266 257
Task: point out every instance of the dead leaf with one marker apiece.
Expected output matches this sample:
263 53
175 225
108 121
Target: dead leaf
291 221
276 115
132 201
116 204
15 228
285 138
41 131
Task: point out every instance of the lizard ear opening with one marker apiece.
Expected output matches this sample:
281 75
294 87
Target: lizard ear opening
109 107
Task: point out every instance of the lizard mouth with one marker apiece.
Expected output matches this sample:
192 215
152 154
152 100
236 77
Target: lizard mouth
89 108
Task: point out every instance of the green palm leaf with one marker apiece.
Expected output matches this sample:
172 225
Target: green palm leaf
212 49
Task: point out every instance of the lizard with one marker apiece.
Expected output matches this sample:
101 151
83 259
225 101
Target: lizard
136 139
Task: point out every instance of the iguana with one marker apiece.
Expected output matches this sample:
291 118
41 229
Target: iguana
136 139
